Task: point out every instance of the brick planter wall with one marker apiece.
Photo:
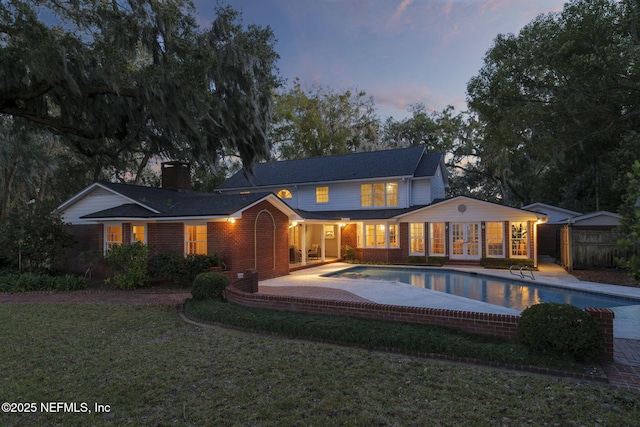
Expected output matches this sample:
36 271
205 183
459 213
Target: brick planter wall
604 318
244 292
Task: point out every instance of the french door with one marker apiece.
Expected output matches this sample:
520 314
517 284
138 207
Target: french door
465 241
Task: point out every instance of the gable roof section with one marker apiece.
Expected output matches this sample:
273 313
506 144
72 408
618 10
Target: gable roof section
603 218
484 209
405 162
162 203
557 215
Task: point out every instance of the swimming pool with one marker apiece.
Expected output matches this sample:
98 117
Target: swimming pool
512 294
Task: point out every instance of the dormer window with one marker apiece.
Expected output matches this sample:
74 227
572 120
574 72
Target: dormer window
284 194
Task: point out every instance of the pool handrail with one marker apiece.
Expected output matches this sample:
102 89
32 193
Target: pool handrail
521 273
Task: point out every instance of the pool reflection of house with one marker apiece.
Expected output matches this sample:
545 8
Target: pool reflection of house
387 205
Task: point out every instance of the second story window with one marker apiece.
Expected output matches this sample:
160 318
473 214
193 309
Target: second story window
382 194
322 194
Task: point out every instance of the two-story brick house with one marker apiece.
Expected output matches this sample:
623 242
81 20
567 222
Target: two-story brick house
388 205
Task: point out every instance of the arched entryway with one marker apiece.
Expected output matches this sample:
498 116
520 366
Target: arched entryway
264 238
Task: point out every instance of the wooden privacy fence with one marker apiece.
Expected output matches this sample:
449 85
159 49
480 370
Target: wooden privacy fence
582 248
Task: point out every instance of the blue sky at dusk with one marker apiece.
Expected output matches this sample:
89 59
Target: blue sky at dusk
401 52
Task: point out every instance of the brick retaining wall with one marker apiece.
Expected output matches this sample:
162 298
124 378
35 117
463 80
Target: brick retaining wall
244 292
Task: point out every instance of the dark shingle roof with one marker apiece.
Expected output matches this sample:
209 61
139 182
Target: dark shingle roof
173 203
354 215
413 161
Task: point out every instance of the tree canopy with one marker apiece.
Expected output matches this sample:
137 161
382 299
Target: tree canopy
559 106
138 76
322 122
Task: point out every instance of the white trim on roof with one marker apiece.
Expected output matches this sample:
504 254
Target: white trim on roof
271 198
458 199
74 199
533 206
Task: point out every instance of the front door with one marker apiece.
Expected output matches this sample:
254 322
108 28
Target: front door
465 241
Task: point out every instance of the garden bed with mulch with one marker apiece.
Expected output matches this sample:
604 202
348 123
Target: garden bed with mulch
610 276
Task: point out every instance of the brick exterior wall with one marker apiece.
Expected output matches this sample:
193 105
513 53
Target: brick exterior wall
350 235
263 230
166 237
504 326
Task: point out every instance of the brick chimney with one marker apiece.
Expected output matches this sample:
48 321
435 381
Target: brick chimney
176 175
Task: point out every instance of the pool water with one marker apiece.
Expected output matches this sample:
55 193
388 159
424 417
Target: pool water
512 294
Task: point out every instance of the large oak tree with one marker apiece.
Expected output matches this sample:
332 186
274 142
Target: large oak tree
138 76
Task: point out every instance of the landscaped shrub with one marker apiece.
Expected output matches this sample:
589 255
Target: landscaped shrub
128 265
180 269
26 282
436 260
560 328
169 266
416 260
209 286
196 264
348 253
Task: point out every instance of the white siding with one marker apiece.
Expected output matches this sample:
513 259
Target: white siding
474 211
97 200
344 196
421 192
437 186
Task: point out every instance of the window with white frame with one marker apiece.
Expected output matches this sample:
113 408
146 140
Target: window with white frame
495 239
378 195
519 239
322 194
393 235
437 239
375 235
196 240
112 236
416 238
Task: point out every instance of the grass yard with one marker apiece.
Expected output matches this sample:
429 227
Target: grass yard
153 369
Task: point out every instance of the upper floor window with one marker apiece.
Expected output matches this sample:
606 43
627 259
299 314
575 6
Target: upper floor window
112 236
284 194
381 194
322 194
196 240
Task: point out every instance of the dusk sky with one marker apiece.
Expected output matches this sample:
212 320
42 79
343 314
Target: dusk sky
401 52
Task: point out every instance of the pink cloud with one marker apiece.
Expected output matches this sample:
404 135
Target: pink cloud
396 20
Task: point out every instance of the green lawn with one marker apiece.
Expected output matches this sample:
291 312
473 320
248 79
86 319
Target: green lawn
153 369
